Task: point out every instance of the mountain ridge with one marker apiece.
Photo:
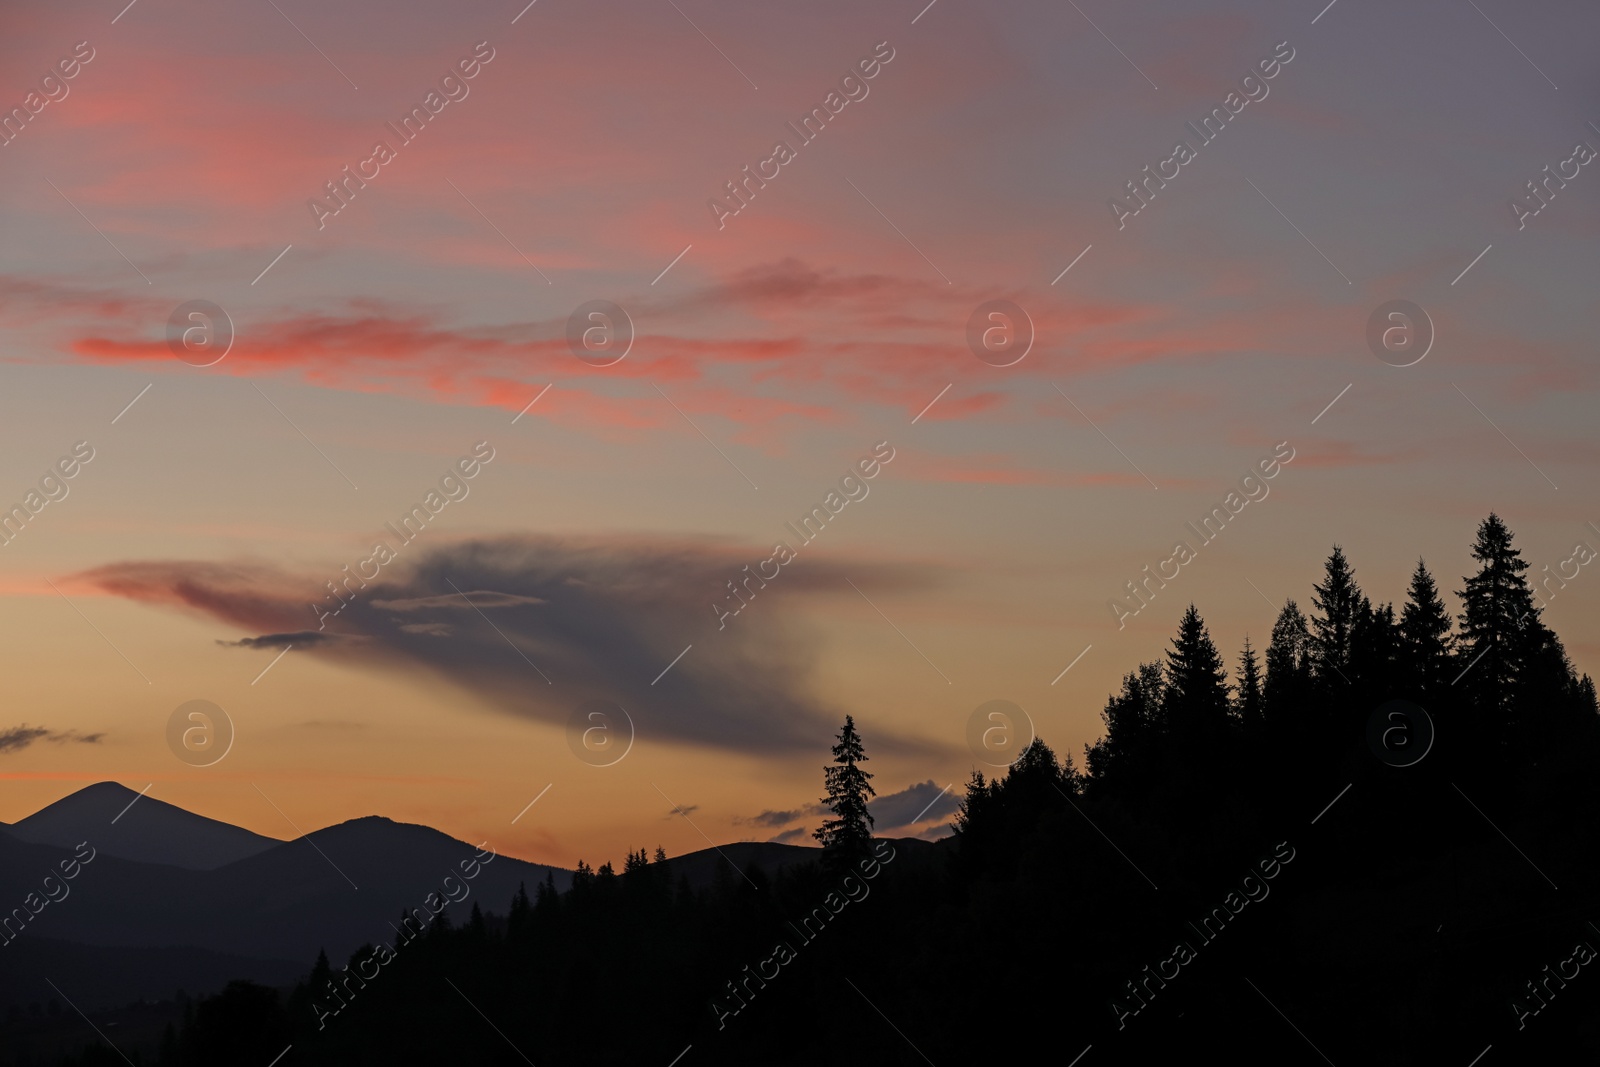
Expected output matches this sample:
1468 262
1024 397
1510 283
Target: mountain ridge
132 825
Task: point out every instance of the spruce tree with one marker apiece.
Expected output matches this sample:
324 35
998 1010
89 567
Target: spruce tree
848 835
1133 720
1247 706
1339 605
1287 685
1374 650
1425 644
521 914
1500 626
1196 693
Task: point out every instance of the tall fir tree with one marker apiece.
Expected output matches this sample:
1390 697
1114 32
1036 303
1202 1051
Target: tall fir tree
1288 682
1425 642
1339 606
1247 705
847 836
1374 649
1133 720
1196 693
1500 627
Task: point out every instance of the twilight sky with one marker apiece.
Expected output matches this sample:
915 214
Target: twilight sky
774 350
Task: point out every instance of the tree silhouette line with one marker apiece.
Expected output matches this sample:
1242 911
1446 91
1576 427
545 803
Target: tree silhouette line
1421 900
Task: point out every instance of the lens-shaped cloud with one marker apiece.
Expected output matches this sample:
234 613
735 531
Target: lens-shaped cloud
600 617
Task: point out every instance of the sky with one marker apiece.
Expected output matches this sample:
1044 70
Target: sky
751 362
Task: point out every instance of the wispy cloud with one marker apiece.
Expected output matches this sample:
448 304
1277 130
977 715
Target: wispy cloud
600 616
20 737
773 819
919 805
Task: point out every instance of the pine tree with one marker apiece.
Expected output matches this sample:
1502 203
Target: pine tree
848 835
1001 823
1287 685
1374 649
1196 692
547 900
1499 626
1133 720
1247 706
521 914
1425 644
1339 605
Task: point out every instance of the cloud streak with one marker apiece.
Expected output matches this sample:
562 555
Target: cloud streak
916 805
600 617
20 737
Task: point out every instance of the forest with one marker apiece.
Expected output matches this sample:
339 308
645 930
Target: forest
1371 842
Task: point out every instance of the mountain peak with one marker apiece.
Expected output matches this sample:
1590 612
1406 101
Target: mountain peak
134 825
107 788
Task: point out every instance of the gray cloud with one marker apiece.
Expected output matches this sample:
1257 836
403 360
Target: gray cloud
896 811
778 818
789 835
479 599
303 639
919 805
20 737
601 617
432 629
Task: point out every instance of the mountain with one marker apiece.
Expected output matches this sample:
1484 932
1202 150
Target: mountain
701 867
335 889
157 900
149 831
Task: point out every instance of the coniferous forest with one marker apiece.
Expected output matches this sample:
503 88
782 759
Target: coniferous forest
1371 841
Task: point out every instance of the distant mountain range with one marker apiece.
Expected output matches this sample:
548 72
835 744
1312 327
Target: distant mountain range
150 831
173 899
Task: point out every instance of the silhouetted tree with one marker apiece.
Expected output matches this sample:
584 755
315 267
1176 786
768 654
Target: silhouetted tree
236 1024
1196 695
998 821
1036 850
1425 645
1288 681
1247 704
1499 626
1133 720
847 836
1339 605
1374 650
